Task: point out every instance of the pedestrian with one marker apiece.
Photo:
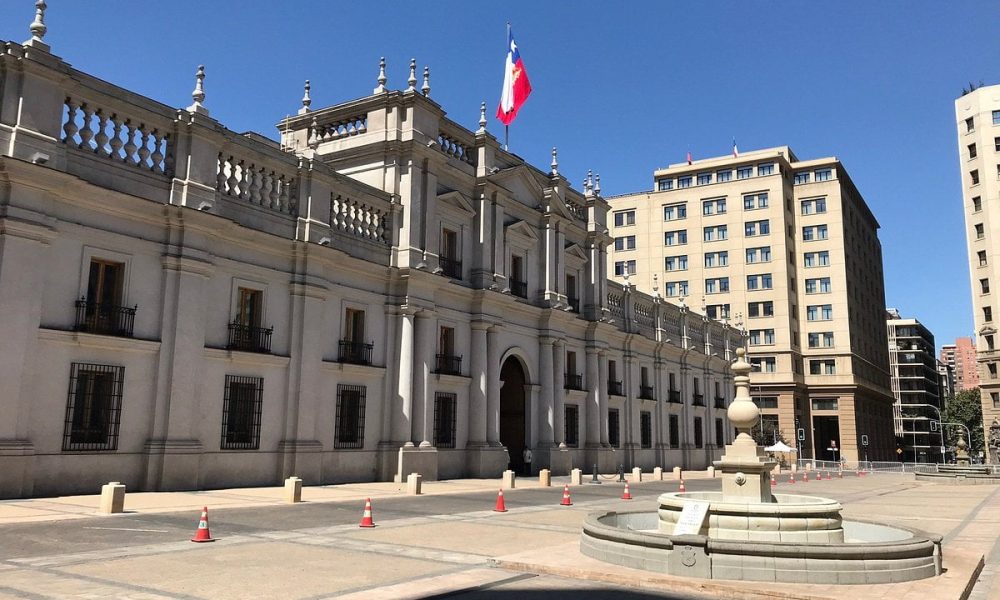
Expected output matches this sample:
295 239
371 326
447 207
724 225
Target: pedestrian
527 461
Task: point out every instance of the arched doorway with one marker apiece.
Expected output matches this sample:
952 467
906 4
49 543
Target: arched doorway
512 423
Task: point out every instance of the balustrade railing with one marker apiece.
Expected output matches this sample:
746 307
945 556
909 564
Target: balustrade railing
110 133
720 402
355 353
453 140
450 267
256 182
615 388
646 392
697 399
674 397
573 381
519 288
104 319
359 219
342 127
247 338
574 303
448 364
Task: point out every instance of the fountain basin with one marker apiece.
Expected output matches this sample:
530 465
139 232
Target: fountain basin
872 553
961 474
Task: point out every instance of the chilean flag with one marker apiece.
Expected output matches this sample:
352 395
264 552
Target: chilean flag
516 87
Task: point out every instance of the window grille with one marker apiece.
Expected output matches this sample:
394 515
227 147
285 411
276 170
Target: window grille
93 409
646 429
614 428
572 426
444 420
699 433
350 432
241 413
675 432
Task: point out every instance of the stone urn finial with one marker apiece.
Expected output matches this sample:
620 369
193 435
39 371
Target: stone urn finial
380 88
742 412
198 94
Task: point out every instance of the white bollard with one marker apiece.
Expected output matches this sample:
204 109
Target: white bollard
414 482
509 479
545 478
657 474
677 473
112 498
711 472
636 474
576 477
293 490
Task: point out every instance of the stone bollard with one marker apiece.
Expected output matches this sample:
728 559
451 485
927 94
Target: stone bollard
293 490
795 468
636 474
112 498
413 484
508 479
657 474
545 478
677 473
576 477
711 472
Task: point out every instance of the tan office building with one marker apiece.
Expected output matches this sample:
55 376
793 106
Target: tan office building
977 120
789 249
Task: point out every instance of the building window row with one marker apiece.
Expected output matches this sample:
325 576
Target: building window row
755 228
717 285
675 263
813 206
675 238
624 243
763 281
818 175
819 285
759 254
815 232
717 259
817 259
705 178
624 218
755 201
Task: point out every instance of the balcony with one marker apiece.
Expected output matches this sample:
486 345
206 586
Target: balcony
450 267
574 304
104 319
646 392
448 364
615 388
355 353
247 338
573 381
519 288
674 397
697 400
720 402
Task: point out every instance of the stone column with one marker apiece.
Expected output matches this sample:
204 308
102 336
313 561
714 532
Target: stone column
546 416
403 427
423 396
559 391
493 386
602 397
478 388
593 405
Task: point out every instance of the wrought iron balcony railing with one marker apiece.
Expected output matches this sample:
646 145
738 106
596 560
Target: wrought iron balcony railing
448 364
574 303
105 319
646 392
674 397
720 402
697 399
615 388
573 381
450 267
355 353
519 288
247 338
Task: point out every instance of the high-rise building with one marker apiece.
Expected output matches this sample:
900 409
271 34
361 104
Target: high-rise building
977 122
961 357
917 388
946 380
789 249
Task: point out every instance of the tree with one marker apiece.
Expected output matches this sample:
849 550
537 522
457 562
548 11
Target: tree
965 408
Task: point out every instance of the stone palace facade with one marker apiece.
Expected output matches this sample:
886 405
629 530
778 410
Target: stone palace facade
382 292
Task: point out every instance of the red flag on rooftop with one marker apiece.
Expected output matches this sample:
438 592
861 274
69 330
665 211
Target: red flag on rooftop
689 157
516 87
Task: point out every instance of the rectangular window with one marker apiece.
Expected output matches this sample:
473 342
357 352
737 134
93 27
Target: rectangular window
699 434
241 410
721 176
980 231
717 286
716 232
823 367
817 259
621 244
996 117
102 308
755 228
801 177
760 282
995 398
755 201
972 150
715 206
758 255
624 218
93 408
675 431
970 124
974 176
819 312
744 172
824 174
350 424
987 313
720 439
572 425
760 309
762 337
765 169
444 419
764 364
614 428
624 266
984 285
717 259
674 212
813 206
820 285
815 232
683 182
675 263
996 144
676 288
824 404
664 185
250 307
717 311
704 178
646 429
675 238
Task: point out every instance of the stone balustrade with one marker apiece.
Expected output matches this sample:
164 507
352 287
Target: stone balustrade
456 142
250 177
108 132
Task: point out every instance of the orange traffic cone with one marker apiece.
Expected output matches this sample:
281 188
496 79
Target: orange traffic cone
773 482
203 534
682 489
366 517
828 476
805 477
500 507
626 495
791 478
840 474
566 499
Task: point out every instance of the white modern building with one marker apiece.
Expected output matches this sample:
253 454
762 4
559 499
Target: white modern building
382 292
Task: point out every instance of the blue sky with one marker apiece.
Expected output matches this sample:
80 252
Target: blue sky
619 88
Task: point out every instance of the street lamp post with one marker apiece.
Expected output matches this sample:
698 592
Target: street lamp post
940 426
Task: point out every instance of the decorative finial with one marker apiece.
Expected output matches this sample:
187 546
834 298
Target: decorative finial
38 27
381 77
313 134
742 411
704 306
555 162
656 286
426 88
199 92
588 185
412 81
680 296
306 99
482 117
597 184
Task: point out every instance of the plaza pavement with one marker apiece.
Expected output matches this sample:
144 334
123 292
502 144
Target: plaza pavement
445 542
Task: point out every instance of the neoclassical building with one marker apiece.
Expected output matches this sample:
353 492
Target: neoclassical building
381 292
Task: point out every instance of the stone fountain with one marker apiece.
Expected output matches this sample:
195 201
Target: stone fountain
747 532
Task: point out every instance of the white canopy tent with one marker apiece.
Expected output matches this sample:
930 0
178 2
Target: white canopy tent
779 447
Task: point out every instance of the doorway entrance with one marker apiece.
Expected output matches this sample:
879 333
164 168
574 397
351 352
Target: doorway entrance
827 437
512 417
